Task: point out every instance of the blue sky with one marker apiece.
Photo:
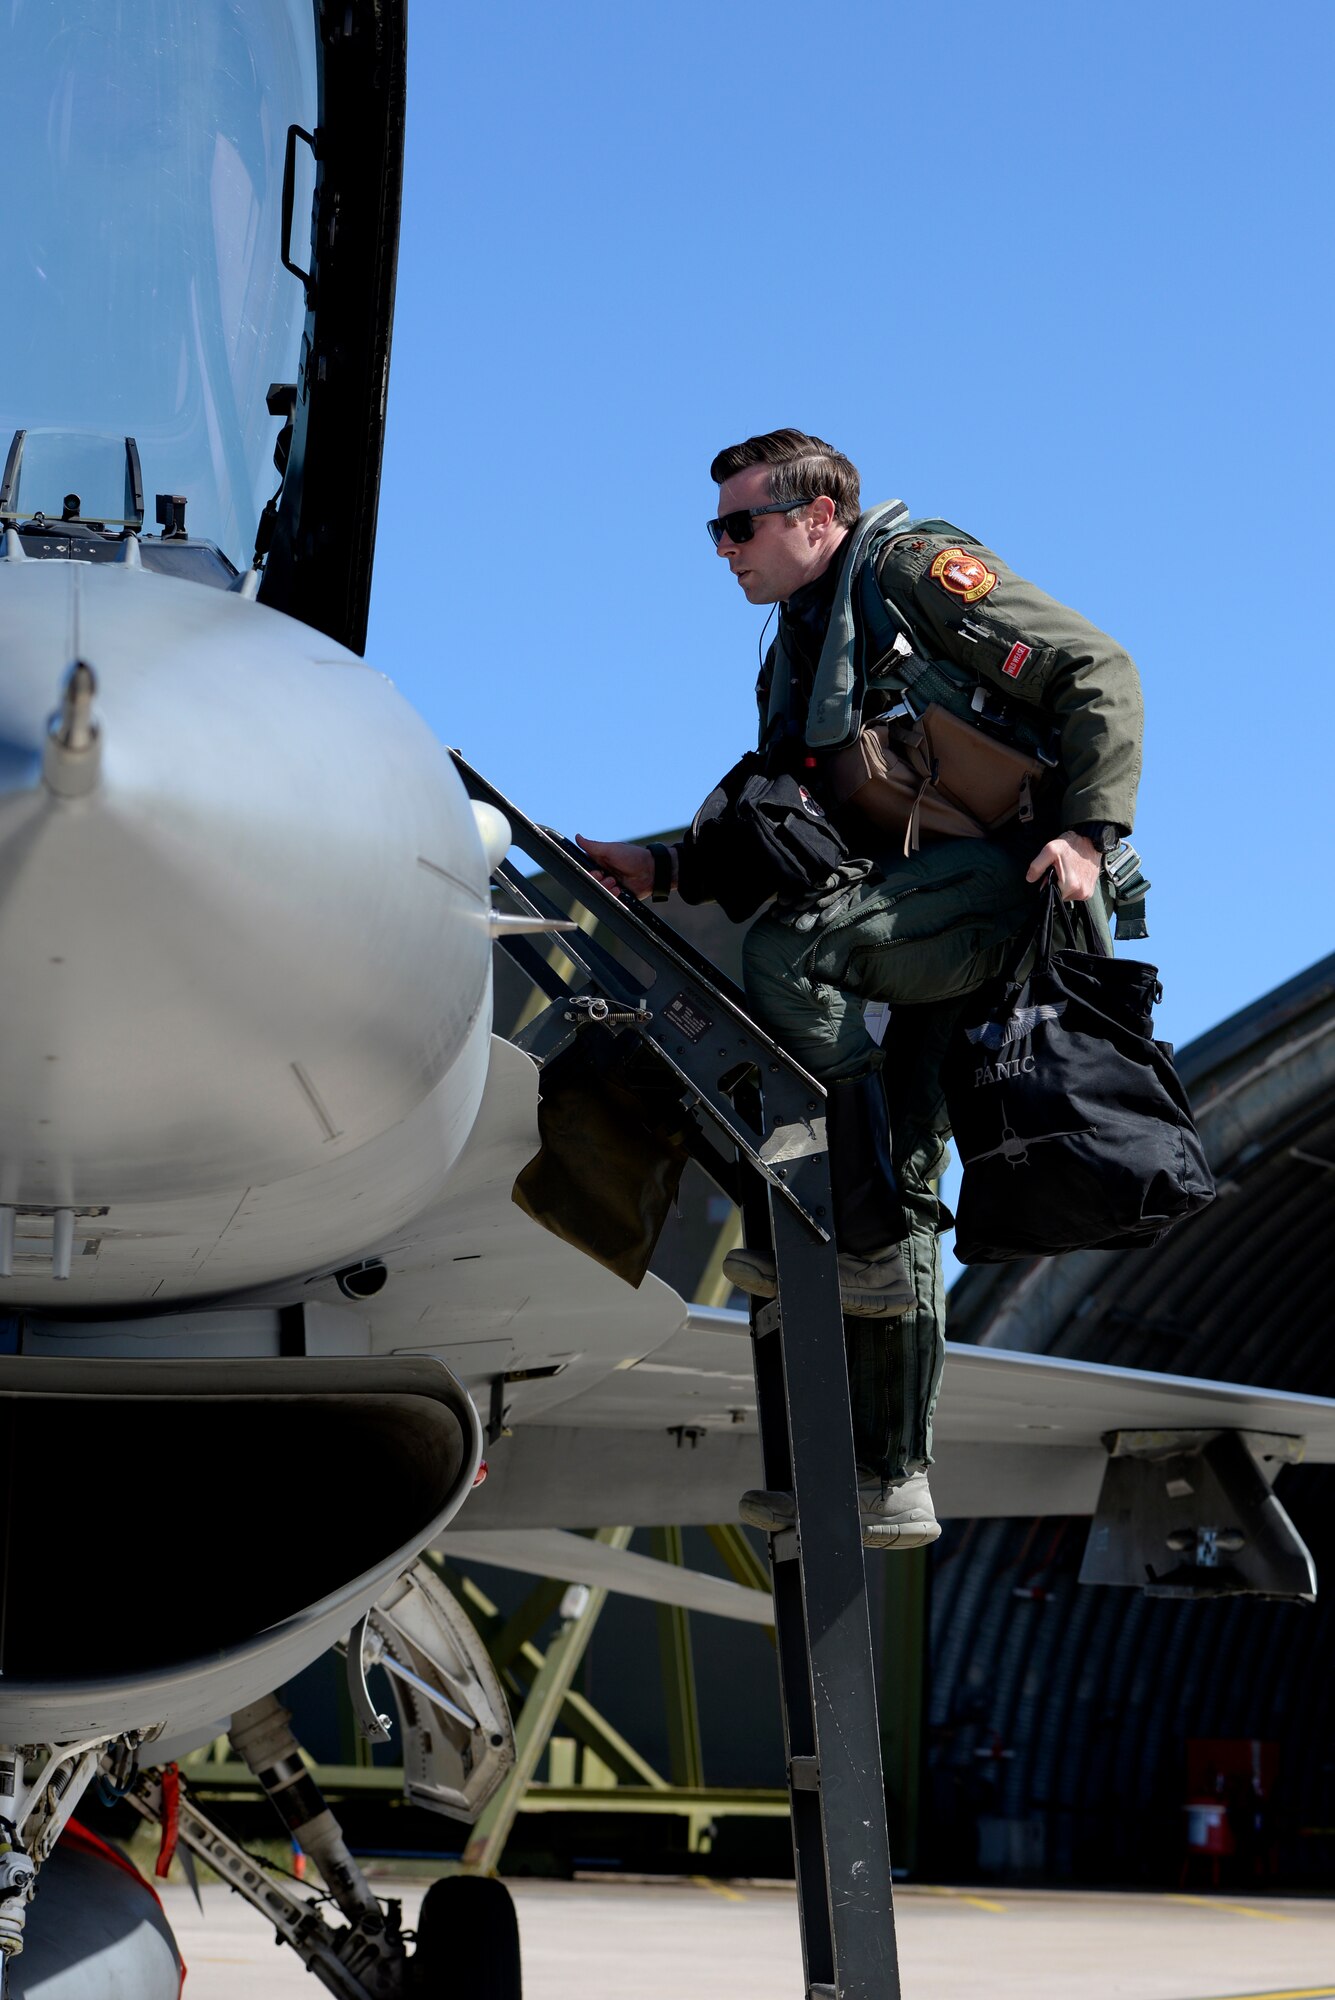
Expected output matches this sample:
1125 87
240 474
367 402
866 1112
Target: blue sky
1058 273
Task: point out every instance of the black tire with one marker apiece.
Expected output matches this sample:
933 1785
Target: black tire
467 1942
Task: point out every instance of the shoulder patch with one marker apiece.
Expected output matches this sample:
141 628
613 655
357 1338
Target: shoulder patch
963 575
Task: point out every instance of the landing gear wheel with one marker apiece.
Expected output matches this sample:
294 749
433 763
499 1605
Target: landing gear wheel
467 1942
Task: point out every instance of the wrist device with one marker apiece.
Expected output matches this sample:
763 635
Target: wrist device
663 871
1101 833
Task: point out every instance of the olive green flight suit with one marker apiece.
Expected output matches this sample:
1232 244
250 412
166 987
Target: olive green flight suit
928 929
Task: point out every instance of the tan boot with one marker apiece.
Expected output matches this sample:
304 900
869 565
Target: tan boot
875 1287
897 1517
893 1517
771 1512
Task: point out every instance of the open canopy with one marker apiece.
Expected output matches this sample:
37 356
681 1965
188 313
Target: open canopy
145 292
203 228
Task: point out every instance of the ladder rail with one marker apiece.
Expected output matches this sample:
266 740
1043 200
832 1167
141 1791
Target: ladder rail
713 1006
706 1039
635 924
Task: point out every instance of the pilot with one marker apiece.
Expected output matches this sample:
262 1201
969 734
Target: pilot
931 922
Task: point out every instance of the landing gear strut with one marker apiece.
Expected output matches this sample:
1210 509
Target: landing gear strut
40 1785
458 1743
365 1960
467 1936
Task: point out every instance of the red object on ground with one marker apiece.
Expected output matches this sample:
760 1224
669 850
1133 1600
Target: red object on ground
1230 1782
1208 1830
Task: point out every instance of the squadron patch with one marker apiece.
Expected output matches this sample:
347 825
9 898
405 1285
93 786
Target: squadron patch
1013 664
963 575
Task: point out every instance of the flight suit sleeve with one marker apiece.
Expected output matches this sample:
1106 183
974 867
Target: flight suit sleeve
960 599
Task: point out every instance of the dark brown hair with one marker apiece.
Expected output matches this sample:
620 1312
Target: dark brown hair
801 468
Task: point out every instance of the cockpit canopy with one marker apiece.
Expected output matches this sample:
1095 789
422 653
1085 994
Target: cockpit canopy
201 251
145 294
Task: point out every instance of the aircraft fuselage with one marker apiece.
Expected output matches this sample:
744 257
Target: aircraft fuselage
244 955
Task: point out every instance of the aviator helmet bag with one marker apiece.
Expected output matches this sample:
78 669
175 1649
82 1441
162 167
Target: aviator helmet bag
1073 1128
754 837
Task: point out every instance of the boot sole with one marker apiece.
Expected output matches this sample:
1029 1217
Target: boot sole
899 1534
754 1288
760 1517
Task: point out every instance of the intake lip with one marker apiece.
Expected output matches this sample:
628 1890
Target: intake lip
201 1590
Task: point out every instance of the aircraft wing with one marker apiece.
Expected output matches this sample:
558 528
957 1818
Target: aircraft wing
673 1437
631 1407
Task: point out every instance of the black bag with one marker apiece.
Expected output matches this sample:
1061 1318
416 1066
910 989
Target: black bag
613 1134
1073 1128
754 837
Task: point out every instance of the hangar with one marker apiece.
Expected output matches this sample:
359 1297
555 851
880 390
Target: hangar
1037 1727
1058 1718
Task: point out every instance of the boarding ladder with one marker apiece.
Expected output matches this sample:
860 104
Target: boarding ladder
757 1128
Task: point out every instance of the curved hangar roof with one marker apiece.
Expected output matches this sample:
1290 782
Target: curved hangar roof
1242 1293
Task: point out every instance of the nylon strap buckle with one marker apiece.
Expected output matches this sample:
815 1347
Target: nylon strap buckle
1129 889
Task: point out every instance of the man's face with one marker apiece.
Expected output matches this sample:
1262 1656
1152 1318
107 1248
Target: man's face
785 550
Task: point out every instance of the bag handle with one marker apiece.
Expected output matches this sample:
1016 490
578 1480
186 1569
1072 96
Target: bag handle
1074 916
1037 936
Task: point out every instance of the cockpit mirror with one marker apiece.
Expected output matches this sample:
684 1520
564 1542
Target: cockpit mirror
171 516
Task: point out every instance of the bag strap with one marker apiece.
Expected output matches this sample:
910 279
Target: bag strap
1129 889
1037 935
889 629
921 677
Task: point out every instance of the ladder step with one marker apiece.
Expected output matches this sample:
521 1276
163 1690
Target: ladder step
804 1774
822 1993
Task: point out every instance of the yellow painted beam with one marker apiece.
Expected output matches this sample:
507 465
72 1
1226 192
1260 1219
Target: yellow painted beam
737 1801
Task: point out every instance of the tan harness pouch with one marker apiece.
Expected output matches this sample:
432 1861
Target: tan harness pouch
936 775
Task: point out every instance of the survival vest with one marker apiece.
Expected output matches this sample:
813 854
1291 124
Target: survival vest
875 660
878 653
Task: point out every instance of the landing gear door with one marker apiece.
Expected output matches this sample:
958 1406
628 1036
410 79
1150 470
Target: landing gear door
458 1740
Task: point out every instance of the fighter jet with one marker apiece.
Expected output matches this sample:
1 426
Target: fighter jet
257 1138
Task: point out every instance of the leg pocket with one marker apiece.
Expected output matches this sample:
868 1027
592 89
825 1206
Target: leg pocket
918 971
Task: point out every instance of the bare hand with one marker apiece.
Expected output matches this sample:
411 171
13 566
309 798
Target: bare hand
1078 864
620 864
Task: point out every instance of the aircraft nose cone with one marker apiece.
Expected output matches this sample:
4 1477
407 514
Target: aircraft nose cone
243 898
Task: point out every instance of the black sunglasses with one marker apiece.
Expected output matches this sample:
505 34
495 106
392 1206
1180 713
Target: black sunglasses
737 525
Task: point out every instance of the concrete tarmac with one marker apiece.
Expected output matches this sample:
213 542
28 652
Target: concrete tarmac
698 1940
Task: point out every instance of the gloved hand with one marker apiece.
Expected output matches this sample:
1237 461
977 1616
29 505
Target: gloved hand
819 906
